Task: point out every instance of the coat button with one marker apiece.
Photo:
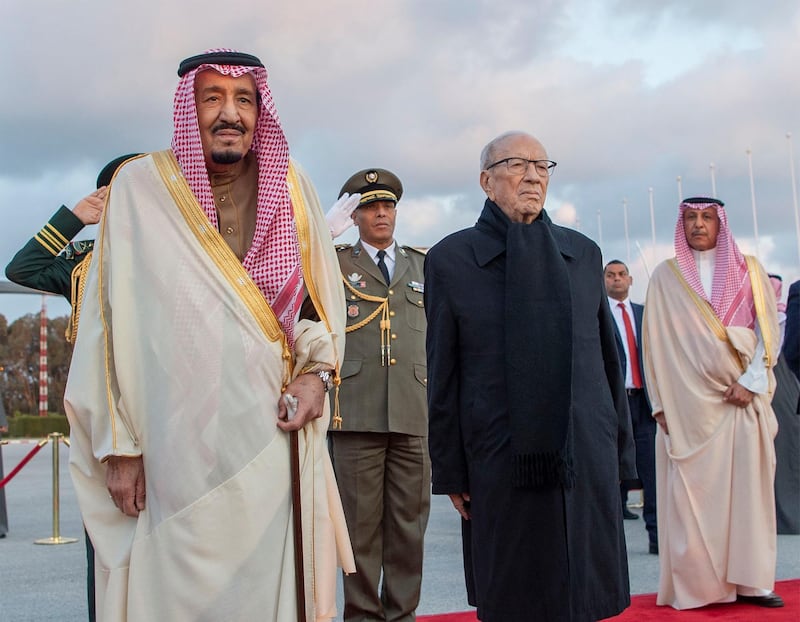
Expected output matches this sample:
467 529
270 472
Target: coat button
391 292
391 313
393 362
394 336
229 230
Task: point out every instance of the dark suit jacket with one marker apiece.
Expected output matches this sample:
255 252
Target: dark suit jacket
638 313
791 341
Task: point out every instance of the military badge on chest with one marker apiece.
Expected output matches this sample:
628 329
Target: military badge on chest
356 280
353 310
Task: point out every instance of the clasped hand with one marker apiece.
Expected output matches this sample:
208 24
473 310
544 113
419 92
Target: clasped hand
737 395
309 392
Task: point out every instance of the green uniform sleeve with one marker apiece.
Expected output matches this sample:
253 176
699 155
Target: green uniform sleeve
40 264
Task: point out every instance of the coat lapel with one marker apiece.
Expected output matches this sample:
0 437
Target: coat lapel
401 264
361 258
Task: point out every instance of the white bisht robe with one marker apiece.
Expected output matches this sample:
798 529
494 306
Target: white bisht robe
715 468
180 359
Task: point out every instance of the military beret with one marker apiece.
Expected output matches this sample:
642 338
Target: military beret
374 184
105 176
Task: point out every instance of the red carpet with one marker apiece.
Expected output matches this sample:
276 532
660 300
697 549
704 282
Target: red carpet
643 608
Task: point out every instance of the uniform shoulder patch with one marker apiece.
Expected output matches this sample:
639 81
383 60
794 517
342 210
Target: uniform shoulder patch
416 249
343 247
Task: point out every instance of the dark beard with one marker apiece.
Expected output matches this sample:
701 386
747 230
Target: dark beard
226 157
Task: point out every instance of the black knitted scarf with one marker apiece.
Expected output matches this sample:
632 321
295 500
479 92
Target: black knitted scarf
538 346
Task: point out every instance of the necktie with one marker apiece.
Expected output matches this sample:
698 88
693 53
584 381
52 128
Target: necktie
382 265
633 353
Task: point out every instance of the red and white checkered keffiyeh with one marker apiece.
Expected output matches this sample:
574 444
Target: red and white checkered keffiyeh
731 292
273 260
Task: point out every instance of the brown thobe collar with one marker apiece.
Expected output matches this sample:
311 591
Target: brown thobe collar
236 202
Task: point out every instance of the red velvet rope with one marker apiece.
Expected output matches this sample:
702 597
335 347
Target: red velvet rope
24 461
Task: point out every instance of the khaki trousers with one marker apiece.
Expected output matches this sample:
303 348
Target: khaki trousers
384 481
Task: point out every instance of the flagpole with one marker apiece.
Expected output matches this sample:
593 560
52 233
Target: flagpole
652 219
794 193
43 381
713 181
627 239
680 190
599 230
753 196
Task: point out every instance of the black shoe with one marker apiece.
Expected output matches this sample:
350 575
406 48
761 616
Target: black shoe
653 548
768 600
628 515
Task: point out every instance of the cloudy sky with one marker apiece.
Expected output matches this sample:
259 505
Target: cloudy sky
627 95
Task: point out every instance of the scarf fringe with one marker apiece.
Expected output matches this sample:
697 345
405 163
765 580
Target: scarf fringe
542 470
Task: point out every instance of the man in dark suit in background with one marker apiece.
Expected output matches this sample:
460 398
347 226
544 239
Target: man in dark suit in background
791 341
628 325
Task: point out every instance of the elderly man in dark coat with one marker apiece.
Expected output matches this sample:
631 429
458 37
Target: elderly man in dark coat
529 426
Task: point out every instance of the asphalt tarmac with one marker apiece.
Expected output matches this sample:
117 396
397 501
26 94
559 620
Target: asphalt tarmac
39 583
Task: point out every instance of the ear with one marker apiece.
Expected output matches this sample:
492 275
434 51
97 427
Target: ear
486 184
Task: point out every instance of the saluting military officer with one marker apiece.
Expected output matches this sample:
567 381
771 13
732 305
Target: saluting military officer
51 263
380 454
48 260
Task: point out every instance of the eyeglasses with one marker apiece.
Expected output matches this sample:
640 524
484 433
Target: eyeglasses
519 166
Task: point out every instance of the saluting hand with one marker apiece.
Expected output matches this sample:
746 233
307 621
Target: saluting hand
338 216
90 208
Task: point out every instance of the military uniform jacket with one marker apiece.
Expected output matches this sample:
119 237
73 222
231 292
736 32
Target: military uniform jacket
47 261
384 383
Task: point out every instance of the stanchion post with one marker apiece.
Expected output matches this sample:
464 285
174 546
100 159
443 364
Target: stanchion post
55 439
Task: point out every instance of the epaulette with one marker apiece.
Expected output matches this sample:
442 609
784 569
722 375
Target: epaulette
76 249
420 251
342 247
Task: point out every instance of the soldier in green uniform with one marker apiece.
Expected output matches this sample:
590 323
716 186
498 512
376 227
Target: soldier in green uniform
51 263
49 260
380 453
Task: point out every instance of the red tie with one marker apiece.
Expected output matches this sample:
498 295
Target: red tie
633 353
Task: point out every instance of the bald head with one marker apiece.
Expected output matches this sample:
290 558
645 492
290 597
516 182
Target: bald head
490 151
519 191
